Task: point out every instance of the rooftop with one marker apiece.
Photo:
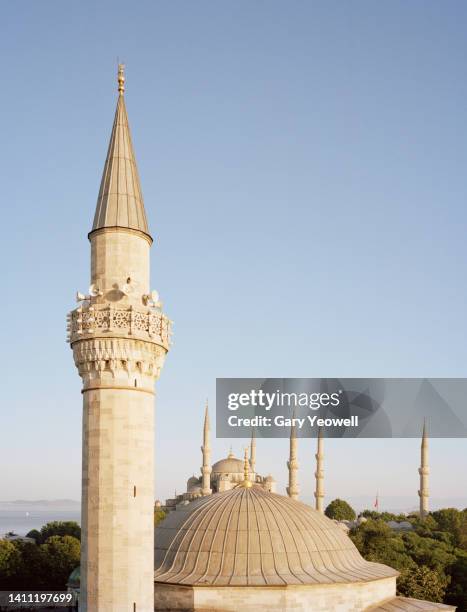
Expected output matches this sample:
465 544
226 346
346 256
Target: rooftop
248 536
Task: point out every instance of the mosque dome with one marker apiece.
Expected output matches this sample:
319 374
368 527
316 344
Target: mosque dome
229 465
249 536
192 483
74 578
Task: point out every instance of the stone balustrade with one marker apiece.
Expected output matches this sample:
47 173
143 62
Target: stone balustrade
108 321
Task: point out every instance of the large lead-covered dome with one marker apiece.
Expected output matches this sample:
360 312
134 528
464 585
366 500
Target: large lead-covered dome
248 536
229 465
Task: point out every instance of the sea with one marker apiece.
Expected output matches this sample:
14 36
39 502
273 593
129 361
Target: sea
22 521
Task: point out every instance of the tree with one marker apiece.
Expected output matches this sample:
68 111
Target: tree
35 535
454 522
463 531
422 583
9 562
61 556
30 574
431 566
39 567
60 528
377 542
159 516
340 510
457 590
435 554
385 516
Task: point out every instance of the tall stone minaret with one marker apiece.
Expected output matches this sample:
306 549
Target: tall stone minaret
293 489
119 338
206 450
424 471
253 455
319 474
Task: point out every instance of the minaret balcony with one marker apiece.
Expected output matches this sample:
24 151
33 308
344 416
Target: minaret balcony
110 321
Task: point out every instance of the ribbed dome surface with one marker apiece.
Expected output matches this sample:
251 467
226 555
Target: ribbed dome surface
248 536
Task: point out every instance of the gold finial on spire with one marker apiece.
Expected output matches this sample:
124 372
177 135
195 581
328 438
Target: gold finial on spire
121 79
246 471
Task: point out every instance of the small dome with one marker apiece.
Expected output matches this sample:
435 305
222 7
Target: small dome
229 465
192 482
248 536
74 578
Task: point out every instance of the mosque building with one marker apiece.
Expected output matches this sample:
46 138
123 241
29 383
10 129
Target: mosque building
223 475
235 544
248 548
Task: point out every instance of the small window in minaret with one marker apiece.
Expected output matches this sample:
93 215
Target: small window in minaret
136 384
134 491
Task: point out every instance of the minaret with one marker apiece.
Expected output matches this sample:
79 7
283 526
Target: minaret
424 471
293 489
319 474
253 455
119 338
246 482
206 450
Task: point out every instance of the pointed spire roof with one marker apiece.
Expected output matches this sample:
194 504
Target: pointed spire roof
120 200
424 433
207 426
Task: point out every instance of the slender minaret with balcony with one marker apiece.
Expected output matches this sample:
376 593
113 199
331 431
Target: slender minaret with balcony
319 474
206 468
253 456
293 489
119 338
424 472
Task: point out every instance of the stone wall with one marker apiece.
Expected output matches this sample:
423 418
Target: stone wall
351 597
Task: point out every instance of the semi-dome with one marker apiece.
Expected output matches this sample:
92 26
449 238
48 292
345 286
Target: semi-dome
249 536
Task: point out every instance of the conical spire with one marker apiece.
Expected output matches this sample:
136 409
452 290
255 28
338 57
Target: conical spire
253 451
206 468
424 472
207 425
120 201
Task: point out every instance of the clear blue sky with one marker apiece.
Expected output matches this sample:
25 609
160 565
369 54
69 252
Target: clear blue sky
303 166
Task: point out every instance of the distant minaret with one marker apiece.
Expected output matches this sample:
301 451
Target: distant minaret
119 338
293 489
253 454
319 474
206 450
246 482
424 470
